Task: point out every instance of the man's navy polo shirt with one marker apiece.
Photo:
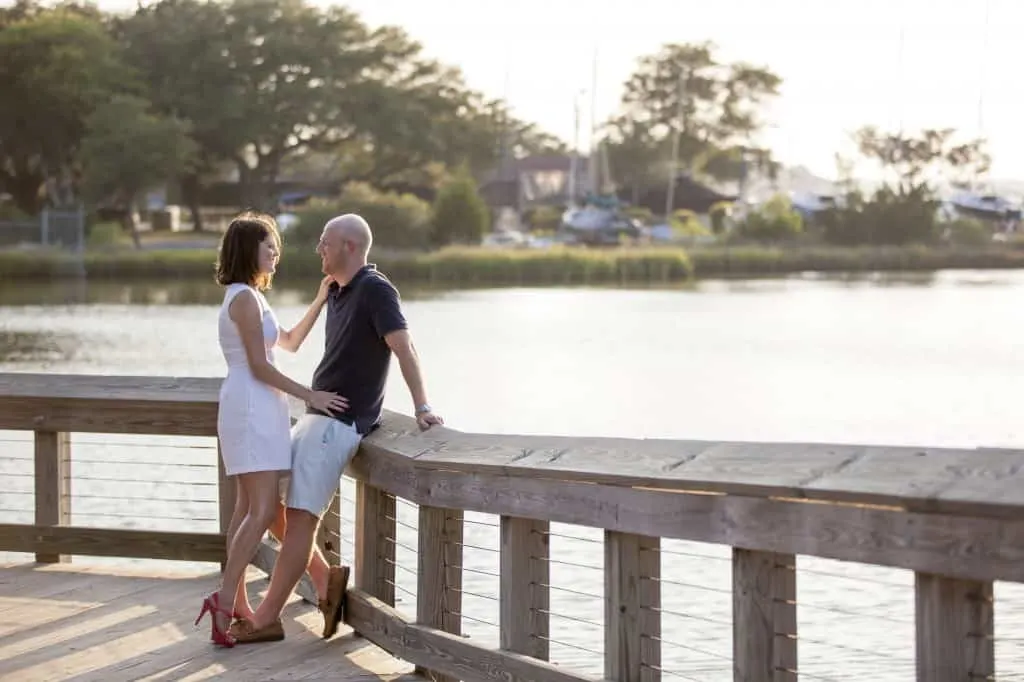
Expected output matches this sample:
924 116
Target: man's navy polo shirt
356 358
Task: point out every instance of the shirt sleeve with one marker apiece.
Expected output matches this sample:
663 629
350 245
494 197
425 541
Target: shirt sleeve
385 308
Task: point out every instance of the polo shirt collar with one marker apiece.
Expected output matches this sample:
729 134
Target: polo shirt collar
337 288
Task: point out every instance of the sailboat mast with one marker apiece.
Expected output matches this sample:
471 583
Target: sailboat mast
592 163
575 154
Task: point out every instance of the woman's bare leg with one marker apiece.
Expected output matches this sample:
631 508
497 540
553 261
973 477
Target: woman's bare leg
260 490
242 606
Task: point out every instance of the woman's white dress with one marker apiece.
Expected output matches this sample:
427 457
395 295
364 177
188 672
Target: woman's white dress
253 420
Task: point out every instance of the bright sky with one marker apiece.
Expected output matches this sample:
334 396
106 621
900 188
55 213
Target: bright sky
841 60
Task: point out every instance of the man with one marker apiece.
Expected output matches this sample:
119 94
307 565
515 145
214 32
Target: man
364 326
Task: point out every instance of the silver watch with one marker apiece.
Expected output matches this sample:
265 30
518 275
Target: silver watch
424 408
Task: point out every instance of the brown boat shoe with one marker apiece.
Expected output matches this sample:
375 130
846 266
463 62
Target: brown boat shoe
331 605
245 632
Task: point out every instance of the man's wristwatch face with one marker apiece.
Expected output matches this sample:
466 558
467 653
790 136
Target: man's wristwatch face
421 409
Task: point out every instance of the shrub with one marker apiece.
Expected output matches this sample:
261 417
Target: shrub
887 218
967 232
544 219
774 221
460 215
685 224
719 215
398 221
641 213
104 234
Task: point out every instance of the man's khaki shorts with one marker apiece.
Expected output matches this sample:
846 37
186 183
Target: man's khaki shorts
321 449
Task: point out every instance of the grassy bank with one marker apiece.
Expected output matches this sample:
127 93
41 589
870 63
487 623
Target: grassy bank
450 266
750 261
487 267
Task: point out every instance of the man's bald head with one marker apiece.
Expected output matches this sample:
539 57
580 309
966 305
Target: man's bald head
344 246
353 228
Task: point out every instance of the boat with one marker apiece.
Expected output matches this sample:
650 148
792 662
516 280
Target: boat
600 220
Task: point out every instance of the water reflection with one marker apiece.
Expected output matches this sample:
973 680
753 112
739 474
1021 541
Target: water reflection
141 292
82 292
169 292
36 347
298 291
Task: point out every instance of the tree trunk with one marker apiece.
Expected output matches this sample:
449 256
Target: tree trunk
268 169
246 184
190 193
257 184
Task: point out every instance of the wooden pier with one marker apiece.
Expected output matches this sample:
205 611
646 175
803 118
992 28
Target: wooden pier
954 517
63 622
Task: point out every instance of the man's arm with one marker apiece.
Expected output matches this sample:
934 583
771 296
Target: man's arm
400 343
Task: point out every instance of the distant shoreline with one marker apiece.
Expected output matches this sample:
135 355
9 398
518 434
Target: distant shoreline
555 267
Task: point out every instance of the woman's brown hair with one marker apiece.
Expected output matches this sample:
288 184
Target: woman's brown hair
239 254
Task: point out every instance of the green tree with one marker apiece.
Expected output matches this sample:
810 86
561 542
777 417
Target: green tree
714 108
460 216
128 150
903 209
265 83
258 80
636 155
181 49
917 163
422 115
55 67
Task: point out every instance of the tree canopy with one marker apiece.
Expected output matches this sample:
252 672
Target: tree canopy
715 108
259 83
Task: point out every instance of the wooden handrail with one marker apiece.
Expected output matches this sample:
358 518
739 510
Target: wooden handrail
977 482
951 515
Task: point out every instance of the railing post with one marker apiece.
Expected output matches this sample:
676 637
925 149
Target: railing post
53 485
632 613
439 583
523 592
226 494
375 542
954 629
764 640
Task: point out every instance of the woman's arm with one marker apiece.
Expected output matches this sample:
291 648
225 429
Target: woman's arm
292 339
245 313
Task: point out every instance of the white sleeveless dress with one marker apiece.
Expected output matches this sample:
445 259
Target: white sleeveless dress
253 421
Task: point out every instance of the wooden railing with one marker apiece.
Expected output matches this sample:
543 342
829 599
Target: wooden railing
952 516
53 407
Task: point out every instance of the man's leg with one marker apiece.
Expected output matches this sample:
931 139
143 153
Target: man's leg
322 449
291 564
317 567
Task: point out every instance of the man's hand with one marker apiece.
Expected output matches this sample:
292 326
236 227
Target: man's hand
427 419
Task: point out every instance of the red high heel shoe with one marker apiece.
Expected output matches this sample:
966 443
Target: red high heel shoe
218 636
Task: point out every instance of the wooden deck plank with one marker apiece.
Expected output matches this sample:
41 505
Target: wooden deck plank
114 623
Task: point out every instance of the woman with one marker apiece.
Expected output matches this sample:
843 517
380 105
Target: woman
253 419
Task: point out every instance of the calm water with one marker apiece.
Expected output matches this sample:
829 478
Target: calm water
924 360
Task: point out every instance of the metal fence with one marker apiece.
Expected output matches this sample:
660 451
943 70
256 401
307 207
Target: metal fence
58 228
